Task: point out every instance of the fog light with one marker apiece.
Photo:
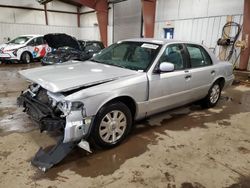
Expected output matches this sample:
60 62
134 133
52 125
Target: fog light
87 121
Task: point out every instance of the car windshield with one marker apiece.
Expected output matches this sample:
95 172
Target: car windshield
130 55
20 40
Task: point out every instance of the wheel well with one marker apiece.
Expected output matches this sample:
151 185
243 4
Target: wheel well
128 101
221 81
28 53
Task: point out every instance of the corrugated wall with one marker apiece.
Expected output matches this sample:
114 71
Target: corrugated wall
12 30
198 20
127 20
14 22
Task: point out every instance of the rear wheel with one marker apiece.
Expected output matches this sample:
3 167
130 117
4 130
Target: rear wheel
213 96
26 57
111 125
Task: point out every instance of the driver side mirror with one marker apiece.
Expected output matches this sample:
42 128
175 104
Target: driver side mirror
166 67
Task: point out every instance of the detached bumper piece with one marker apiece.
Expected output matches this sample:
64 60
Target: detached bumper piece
45 161
45 116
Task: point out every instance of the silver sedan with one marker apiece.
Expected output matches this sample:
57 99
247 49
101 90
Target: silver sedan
130 80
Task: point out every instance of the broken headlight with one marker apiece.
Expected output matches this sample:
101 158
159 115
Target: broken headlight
67 106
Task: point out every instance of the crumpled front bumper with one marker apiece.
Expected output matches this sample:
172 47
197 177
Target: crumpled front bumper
73 125
74 131
41 113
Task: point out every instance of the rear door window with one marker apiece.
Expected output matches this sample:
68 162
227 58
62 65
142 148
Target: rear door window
198 56
39 41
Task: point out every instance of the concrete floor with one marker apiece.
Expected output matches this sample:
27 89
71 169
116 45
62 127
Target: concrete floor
187 147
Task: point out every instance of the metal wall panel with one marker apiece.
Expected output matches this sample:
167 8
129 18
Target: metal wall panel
215 32
53 5
9 15
88 20
12 30
192 8
204 31
200 30
6 15
127 19
90 33
225 7
57 5
26 3
62 19
12 15
185 9
28 16
167 9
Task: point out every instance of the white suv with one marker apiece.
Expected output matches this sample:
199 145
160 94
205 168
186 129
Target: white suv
24 48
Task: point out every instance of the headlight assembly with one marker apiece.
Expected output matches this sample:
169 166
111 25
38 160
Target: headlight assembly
77 105
67 106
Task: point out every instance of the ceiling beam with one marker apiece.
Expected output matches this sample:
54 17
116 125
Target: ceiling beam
87 3
101 8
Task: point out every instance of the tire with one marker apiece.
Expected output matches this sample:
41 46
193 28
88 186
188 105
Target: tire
111 125
26 57
213 96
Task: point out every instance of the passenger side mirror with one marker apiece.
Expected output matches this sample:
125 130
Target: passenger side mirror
166 67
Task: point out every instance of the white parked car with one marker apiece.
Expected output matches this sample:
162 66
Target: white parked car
130 80
24 49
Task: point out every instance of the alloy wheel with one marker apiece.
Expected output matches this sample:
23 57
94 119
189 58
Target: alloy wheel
215 93
113 126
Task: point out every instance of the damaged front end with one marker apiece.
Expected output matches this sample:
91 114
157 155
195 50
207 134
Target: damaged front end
53 113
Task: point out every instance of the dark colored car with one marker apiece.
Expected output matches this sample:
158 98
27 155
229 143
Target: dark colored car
66 47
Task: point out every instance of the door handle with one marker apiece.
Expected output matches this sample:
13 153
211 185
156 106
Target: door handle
213 72
188 77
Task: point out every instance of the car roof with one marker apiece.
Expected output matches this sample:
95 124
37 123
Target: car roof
158 41
89 41
31 36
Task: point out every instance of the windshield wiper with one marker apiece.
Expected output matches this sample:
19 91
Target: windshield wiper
106 63
97 61
118 66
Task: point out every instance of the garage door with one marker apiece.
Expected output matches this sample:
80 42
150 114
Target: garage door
127 20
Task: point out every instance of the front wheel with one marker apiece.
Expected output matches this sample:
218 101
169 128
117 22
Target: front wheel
111 125
213 96
26 57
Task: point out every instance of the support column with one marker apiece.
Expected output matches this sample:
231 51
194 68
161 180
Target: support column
78 17
46 14
148 9
102 17
101 7
245 53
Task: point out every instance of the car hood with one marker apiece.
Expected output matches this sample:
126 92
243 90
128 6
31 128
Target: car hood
74 74
58 40
10 46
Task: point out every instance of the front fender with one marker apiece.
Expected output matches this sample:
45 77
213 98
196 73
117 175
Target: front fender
95 97
94 104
